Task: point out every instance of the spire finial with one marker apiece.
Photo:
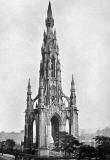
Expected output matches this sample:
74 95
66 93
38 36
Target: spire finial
44 35
73 96
49 20
72 84
55 34
29 82
49 11
29 86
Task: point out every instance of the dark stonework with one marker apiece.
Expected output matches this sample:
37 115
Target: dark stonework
50 112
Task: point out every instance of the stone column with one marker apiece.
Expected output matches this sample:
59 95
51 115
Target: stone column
49 134
42 129
43 150
74 125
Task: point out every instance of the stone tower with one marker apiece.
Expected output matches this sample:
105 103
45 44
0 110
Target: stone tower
48 109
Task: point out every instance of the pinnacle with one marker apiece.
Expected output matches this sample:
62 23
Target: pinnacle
54 33
72 80
29 85
44 34
72 84
49 12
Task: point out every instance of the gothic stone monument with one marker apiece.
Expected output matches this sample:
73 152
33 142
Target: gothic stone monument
50 112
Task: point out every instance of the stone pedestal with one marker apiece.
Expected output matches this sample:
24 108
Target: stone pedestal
43 152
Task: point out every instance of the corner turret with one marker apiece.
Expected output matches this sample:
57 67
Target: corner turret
73 95
29 100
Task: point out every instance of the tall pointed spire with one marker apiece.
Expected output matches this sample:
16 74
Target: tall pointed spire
49 11
49 20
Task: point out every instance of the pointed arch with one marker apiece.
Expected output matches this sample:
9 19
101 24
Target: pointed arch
55 125
67 125
34 131
57 116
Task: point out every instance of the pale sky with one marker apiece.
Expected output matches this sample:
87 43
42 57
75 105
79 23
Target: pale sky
83 33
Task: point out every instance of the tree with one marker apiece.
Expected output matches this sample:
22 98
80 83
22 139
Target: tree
10 143
66 143
101 140
103 147
2 146
86 151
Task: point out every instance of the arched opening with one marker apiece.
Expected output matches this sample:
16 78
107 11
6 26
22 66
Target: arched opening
34 132
54 126
67 125
35 105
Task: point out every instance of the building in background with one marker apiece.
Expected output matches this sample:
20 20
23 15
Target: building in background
48 109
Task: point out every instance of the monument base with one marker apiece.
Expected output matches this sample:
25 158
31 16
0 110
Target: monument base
27 150
43 152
